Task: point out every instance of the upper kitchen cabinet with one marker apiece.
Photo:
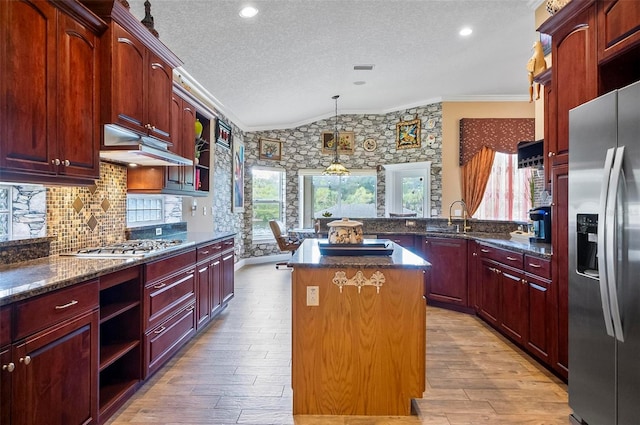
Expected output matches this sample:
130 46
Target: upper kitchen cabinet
618 28
49 101
137 74
575 70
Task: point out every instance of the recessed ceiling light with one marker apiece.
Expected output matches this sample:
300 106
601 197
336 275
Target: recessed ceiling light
359 83
465 31
248 12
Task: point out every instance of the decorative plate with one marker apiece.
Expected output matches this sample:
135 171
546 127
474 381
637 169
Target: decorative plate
369 145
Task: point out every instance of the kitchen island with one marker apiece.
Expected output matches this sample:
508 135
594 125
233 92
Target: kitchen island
358 332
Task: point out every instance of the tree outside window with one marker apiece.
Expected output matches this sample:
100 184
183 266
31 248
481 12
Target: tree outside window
268 201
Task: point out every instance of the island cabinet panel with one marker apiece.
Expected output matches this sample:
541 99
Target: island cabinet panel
447 281
359 351
40 85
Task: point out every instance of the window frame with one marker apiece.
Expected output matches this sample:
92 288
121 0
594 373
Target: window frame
282 201
393 177
143 222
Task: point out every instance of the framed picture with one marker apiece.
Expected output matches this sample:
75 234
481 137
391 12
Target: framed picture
545 39
270 149
346 144
408 134
237 204
223 134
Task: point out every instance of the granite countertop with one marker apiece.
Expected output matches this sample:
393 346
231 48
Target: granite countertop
29 278
308 255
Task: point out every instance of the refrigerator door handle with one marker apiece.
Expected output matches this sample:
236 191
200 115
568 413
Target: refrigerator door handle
602 247
611 254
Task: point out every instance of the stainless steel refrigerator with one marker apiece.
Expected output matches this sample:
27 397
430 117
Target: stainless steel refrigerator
604 259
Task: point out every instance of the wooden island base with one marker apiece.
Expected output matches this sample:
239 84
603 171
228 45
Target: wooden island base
360 351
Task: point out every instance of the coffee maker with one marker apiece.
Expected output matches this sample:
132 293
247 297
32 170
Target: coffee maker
541 218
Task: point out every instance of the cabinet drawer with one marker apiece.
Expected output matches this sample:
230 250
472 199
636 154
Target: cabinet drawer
208 251
162 298
167 338
168 265
41 312
227 244
538 266
504 256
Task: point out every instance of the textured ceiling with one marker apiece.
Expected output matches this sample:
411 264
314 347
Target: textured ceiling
281 68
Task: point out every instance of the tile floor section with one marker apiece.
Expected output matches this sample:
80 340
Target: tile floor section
237 371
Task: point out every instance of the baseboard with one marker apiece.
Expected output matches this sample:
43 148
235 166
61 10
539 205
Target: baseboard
261 260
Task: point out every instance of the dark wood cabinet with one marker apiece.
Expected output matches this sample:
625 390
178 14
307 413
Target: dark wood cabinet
228 270
514 304
574 70
405 241
137 84
60 79
618 29
169 299
183 118
447 282
7 366
489 292
560 265
473 273
54 359
120 366
541 310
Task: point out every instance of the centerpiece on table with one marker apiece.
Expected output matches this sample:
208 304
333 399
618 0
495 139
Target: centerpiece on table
345 231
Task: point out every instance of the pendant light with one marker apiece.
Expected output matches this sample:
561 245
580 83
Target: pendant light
336 169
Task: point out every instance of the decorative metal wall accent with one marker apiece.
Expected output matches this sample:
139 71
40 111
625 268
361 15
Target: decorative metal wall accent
359 280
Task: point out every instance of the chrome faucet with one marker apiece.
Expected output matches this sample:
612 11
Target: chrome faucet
465 226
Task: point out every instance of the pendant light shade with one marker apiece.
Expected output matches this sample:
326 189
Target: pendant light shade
336 168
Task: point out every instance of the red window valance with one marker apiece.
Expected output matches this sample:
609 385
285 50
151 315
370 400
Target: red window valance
498 134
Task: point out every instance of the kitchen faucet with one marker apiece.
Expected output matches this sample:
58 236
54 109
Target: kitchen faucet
465 227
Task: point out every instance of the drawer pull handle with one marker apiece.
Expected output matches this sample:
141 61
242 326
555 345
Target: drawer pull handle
159 331
484 250
535 266
9 367
512 258
160 286
475 254
26 360
67 305
205 252
191 308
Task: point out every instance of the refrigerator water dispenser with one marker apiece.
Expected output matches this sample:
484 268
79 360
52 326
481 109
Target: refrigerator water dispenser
587 244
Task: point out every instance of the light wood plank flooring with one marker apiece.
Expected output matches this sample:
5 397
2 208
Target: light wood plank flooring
238 371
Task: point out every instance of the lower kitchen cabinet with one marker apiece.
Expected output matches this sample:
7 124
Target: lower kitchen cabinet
227 273
50 371
539 318
489 293
447 282
7 366
513 319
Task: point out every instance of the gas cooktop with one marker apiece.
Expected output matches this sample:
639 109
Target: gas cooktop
127 249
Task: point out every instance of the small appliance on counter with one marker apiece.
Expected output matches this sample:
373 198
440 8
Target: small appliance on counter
541 218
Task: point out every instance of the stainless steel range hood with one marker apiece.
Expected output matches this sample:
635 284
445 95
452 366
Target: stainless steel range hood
126 147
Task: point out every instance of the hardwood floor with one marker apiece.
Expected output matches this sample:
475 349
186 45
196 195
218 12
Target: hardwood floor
238 371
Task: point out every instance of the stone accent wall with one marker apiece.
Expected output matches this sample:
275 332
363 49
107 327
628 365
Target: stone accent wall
29 209
301 148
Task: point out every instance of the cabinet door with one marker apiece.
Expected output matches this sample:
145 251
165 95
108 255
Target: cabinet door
540 310
128 80
77 101
473 274
559 268
514 304
174 174
489 294
6 378
575 74
448 275
228 265
216 285
203 294
27 100
618 28
405 241
158 92
55 379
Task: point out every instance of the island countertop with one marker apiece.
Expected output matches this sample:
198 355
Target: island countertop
308 255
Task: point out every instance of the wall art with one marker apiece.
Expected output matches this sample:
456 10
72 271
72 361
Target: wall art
270 149
237 204
408 134
345 146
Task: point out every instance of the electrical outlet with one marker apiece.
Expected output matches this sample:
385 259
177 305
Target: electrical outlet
409 223
158 231
204 210
313 295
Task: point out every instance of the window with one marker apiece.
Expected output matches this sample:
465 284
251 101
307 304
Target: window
341 196
508 192
268 200
408 188
144 209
